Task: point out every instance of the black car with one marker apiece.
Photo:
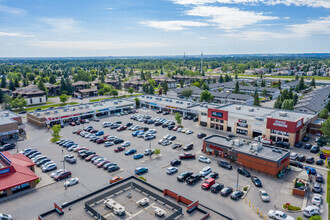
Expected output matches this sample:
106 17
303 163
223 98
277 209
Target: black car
243 172
22 112
129 124
236 195
296 164
158 123
164 125
172 138
225 164
159 111
256 181
217 187
188 147
315 149
213 175
301 158
118 141
231 136
310 160
170 127
305 139
282 144
320 162
195 119
299 145
86 154
183 176
193 178
175 162
308 146
7 147
201 135
226 191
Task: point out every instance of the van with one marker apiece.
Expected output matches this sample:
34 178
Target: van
311 210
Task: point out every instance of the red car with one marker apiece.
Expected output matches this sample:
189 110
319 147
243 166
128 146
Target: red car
72 123
208 183
100 141
99 165
106 136
94 131
118 149
90 157
187 156
121 128
175 128
78 132
82 121
80 148
62 175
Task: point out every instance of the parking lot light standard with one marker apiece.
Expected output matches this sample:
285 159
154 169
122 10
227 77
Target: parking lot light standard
65 176
150 149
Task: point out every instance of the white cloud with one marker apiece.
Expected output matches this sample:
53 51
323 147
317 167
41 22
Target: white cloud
173 25
11 10
6 34
61 25
229 18
312 27
309 3
94 45
109 8
202 38
255 35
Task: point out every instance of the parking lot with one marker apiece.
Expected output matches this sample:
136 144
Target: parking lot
92 178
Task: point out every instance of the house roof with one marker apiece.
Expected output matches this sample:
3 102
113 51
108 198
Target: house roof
29 90
78 83
315 100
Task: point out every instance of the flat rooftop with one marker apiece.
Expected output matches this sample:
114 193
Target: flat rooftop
6 117
83 108
127 193
177 103
251 112
265 152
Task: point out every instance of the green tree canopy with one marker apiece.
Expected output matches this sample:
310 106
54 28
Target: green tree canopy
256 100
287 104
236 90
206 96
178 118
64 98
186 92
18 103
130 90
324 113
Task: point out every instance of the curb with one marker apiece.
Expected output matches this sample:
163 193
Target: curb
298 211
245 193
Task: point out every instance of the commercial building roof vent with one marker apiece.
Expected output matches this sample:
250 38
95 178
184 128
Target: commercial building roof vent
238 107
80 107
251 109
55 111
47 113
65 110
283 114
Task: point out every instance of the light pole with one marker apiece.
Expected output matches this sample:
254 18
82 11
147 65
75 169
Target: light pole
65 176
16 146
237 178
150 149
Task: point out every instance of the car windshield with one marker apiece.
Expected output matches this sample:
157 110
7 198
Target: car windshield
284 215
264 194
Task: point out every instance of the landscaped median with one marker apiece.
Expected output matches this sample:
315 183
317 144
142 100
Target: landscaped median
291 208
117 97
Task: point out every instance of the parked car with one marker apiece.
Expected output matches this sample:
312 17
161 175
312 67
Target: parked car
175 162
225 164
108 143
5 216
217 187
301 158
308 146
183 176
118 141
149 151
315 149
187 156
141 170
171 170
113 168
310 170
320 162
119 149
205 171
70 158
311 211
137 156
279 215
317 200
62 175
226 191
264 195
296 164
236 195
71 182
48 166
293 156
256 181
193 179
126 144
243 172
305 139
299 145
282 144
310 160
201 135
115 179
208 183
204 159
176 145
317 188
7 147
188 147
130 152
213 175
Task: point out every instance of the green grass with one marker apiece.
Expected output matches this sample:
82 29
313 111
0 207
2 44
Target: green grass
122 96
286 77
47 106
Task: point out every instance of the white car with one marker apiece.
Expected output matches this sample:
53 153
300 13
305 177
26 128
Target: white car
152 131
205 171
86 120
317 199
49 167
135 128
5 217
171 170
149 151
111 138
204 159
161 141
310 211
106 124
126 144
264 195
56 172
279 215
179 130
189 132
108 143
71 182
293 156
70 158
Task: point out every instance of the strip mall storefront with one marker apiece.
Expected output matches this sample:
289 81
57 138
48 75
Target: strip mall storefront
269 128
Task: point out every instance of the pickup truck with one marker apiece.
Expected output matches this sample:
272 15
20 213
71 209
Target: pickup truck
193 178
263 140
187 156
188 147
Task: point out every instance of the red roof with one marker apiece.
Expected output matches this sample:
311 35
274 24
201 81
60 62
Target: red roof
19 172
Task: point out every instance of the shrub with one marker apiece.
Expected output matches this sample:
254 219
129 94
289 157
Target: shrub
245 188
142 178
291 207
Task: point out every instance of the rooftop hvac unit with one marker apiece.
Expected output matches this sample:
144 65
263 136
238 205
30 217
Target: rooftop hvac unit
80 107
55 111
73 109
237 142
37 114
238 107
65 110
251 109
255 146
47 113
283 114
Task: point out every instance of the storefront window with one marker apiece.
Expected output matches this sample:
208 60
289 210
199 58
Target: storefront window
273 131
239 131
286 133
209 150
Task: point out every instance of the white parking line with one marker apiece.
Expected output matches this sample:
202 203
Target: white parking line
116 172
166 165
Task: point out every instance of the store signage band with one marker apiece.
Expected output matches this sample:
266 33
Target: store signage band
280 124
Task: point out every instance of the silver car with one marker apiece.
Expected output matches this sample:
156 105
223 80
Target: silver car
264 195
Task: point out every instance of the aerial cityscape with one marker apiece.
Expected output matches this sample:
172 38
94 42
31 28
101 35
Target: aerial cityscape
165 109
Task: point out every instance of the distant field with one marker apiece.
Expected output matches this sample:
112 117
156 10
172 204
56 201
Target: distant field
122 96
28 109
288 77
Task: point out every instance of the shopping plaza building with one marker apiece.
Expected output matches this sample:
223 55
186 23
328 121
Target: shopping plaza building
10 126
250 121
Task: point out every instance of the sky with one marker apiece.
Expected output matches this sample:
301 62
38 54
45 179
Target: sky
85 28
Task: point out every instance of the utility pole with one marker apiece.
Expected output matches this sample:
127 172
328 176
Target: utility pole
202 63
150 149
65 176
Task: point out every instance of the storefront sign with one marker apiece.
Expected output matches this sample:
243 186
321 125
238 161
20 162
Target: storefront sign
167 106
284 126
152 104
9 132
102 110
280 124
218 114
242 121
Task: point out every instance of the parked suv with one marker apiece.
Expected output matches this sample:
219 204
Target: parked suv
188 147
7 147
282 144
208 183
62 175
183 176
216 187
225 164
